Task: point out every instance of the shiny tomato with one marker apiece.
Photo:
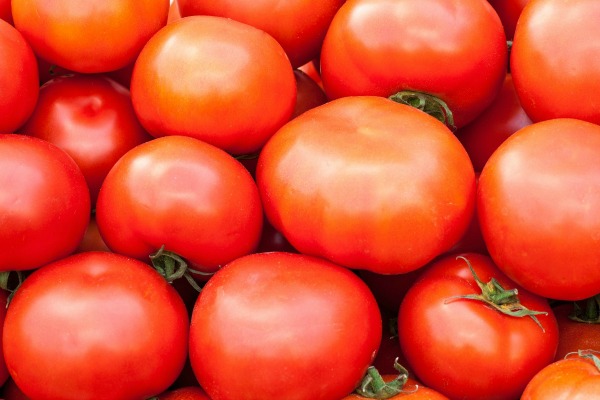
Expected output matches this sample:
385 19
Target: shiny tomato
578 327
91 118
298 25
44 203
95 325
367 183
538 204
554 75
574 378
89 36
215 79
184 194
454 50
509 12
464 347
18 79
276 316
174 12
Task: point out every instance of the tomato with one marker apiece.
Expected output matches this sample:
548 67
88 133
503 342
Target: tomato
92 240
95 325
4 375
185 393
554 75
367 183
283 324
44 203
215 79
5 11
538 206
509 12
576 329
89 36
453 50
91 118
184 194
574 378
18 79
501 119
10 391
308 93
174 12
464 347
298 25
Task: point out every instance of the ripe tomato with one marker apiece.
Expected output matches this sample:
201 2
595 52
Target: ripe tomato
509 12
18 79
174 12
89 36
275 317
308 94
298 25
367 183
44 203
91 118
5 12
4 375
576 330
185 393
185 194
215 79
454 50
95 325
554 74
538 204
465 348
577 377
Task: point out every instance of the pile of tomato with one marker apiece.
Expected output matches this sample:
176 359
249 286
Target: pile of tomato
298 200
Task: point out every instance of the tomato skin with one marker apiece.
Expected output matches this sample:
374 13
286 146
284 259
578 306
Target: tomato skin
62 31
493 358
509 12
548 48
89 117
363 191
215 79
298 25
18 79
574 378
178 192
537 203
574 335
44 206
95 325
276 316
308 94
4 375
381 47
185 393
5 11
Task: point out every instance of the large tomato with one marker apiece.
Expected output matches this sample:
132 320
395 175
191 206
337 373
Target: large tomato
466 348
279 326
91 118
298 25
367 183
5 11
552 61
538 204
215 79
92 35
44 203
578 326
454 50
95 325
18 79
184 194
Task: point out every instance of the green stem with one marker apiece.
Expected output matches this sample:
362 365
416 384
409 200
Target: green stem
172 266
427 103
590 314
6 283
374 387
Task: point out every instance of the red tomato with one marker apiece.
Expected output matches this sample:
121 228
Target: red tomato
215 79
185 393
92 119
454 50
95 325
554 74
5 11
571 379
465 348
185 194
311 69
174 12
367 183
89 36
4 375
538 205
309 93
577 334
44 203
18 79
92 240
10 391
298 25
277 317
501 119
509 12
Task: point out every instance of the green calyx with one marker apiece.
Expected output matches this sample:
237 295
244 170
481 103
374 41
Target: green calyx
589 354
172 266
500 299
374 387
7 282
590 313
427 103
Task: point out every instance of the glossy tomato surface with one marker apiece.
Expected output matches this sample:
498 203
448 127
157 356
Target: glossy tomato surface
95 325
283 324
538 204
185 194
367 183
464 348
